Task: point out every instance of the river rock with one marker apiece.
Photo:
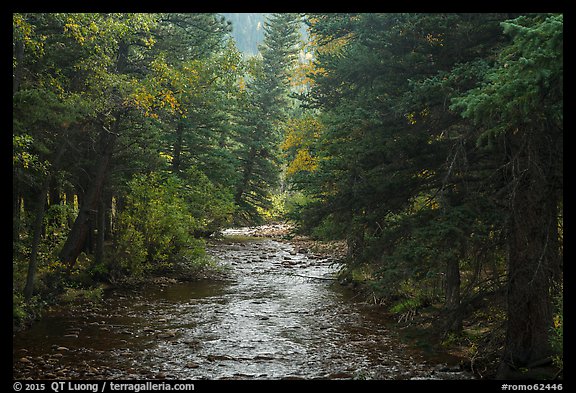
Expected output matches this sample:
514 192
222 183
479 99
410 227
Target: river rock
192 365
167 334
212 358
62 372
445 368
192 343
263 357
25 360
340 375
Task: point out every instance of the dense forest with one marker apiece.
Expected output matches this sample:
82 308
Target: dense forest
431 143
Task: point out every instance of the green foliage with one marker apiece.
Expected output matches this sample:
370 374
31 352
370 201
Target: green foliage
557 334
156 226
23 313
261 116
163 214
527 75
130 252
18 312
411 127
329 229
75 295
406 305
22 156
211 204
56 221
277 209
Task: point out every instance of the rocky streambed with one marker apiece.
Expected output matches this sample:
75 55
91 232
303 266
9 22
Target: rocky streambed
279 314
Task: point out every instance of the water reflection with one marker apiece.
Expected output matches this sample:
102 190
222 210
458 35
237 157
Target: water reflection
275 318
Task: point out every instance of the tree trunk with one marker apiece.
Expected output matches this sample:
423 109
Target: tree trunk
19 56
38 227
452 293
54 198
16 207
246 176
79 232
108 219
37 233
70 203
532 258
101 230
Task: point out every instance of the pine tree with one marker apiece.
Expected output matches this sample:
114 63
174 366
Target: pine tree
263 114
397 174
518 107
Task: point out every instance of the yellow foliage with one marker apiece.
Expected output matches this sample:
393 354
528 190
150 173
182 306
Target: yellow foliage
149 42
24 31
557 321
411 117
302 162
242 84
74 29
169 100
425 173
335 45
301 134
435 40
301 76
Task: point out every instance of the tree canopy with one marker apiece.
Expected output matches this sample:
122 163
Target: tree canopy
432 143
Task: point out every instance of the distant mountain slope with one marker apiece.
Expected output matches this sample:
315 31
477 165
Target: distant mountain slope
247 30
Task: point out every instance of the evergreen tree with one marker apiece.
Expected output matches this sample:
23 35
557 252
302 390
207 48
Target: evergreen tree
417 190
394 164
519 109
107 92
263 113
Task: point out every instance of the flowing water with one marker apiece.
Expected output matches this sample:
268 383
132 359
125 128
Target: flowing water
279 316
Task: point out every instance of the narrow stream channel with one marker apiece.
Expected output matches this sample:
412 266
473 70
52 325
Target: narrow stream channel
278 317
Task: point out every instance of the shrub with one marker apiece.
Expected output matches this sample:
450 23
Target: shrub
72 295
405 305
162 214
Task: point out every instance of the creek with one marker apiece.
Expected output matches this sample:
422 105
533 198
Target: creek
279 315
